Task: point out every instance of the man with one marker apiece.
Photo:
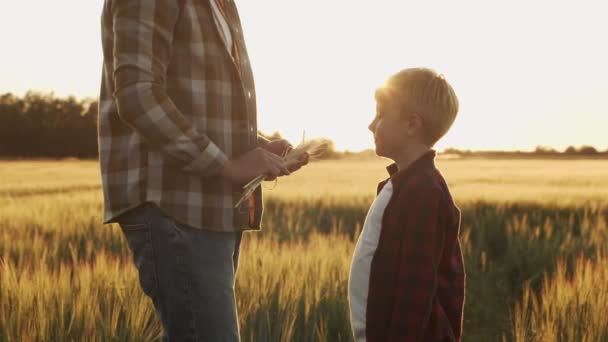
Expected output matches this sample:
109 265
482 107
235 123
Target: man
177 140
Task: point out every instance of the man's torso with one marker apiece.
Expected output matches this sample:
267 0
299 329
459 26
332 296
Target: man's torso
214 93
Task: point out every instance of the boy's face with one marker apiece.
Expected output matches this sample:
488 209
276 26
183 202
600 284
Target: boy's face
391 131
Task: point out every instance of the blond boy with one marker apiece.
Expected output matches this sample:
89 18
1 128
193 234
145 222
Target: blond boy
407 276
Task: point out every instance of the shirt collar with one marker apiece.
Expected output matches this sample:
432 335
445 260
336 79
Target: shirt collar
426 161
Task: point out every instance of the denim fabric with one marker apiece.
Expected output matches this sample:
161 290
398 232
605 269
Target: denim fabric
188 273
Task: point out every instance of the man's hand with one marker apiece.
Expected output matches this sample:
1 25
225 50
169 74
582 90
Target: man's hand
279 147
303 160
252 164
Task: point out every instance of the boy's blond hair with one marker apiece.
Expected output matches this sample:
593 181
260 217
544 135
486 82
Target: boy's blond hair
422 91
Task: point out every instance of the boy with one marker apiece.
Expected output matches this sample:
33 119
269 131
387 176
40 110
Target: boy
407 275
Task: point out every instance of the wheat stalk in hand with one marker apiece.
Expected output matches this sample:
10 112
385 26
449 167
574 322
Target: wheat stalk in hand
314 148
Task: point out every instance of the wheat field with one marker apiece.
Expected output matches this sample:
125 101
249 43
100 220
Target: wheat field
534 236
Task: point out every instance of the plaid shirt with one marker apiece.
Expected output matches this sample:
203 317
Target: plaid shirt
174 106
416 288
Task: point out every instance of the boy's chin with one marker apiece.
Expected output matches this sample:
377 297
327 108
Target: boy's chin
380 152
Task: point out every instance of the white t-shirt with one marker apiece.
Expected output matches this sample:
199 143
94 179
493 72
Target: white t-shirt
358 282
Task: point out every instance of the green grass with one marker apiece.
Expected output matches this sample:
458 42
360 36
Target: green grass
534 238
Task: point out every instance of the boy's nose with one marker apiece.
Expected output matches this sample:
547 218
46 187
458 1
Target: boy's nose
372 126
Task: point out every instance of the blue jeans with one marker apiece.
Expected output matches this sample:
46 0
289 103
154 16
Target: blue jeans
188 273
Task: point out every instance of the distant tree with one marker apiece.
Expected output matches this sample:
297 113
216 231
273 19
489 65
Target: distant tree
570 150
329 151
587 150
12 122
544 150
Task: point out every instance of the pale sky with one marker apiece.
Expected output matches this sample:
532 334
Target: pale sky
527 73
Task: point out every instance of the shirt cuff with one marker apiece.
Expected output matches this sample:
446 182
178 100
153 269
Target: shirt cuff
209 162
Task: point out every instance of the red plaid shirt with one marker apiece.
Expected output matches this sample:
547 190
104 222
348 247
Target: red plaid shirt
416 288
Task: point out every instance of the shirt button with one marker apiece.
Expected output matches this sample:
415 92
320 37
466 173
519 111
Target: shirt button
249 94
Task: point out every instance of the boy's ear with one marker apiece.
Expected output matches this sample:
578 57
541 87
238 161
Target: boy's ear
414 124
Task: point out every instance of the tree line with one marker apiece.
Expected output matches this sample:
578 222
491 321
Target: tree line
39 125
582 151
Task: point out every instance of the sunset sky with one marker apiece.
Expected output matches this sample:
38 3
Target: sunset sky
527 73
